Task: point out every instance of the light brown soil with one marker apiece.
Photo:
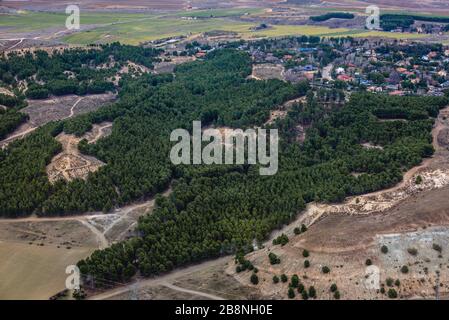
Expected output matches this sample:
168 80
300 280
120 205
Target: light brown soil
6 92
36 251
169 67
343 236
35 255
98 131
207 280
30 272
267 71
57 108
70 164
282 111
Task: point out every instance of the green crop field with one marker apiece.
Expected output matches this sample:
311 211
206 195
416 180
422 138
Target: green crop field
151 29
132 28
26 21
155 28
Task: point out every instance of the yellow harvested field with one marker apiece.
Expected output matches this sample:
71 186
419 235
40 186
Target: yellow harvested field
35 272
290 30
393 35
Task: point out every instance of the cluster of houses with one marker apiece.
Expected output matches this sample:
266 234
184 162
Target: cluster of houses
394 71
377 65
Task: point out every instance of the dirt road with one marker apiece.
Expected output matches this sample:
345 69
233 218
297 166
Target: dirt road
164 280
100 132
193 292
21 134
432 170
72 112
103 243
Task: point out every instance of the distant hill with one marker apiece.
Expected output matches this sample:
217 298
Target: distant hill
431 5
411 4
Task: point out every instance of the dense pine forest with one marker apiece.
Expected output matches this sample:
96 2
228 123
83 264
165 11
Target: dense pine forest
10 116
215 210
332 15
39 74
149 108
219 210
390 22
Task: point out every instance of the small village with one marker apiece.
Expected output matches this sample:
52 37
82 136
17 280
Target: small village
395 67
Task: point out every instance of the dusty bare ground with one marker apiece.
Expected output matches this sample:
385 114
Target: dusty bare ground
98 131
169 66
202 281
406 217
267 71
35 255
282 111
56 108
27 272
35 251
6 91
210 283
70 164
343 243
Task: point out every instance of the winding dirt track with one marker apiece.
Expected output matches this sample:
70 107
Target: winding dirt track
18 135
100 132
15 45
22 134
86 219
72 109
316 211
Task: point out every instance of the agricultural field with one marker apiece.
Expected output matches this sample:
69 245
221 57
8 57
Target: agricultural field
35 255
30 21
35 273
135 28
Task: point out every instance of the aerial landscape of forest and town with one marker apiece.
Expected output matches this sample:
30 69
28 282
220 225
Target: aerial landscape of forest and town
243 150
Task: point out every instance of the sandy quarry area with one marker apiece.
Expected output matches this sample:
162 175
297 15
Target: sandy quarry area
70 164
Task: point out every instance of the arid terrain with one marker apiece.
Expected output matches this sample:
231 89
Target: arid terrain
409 219
56 108
44 247
342 237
